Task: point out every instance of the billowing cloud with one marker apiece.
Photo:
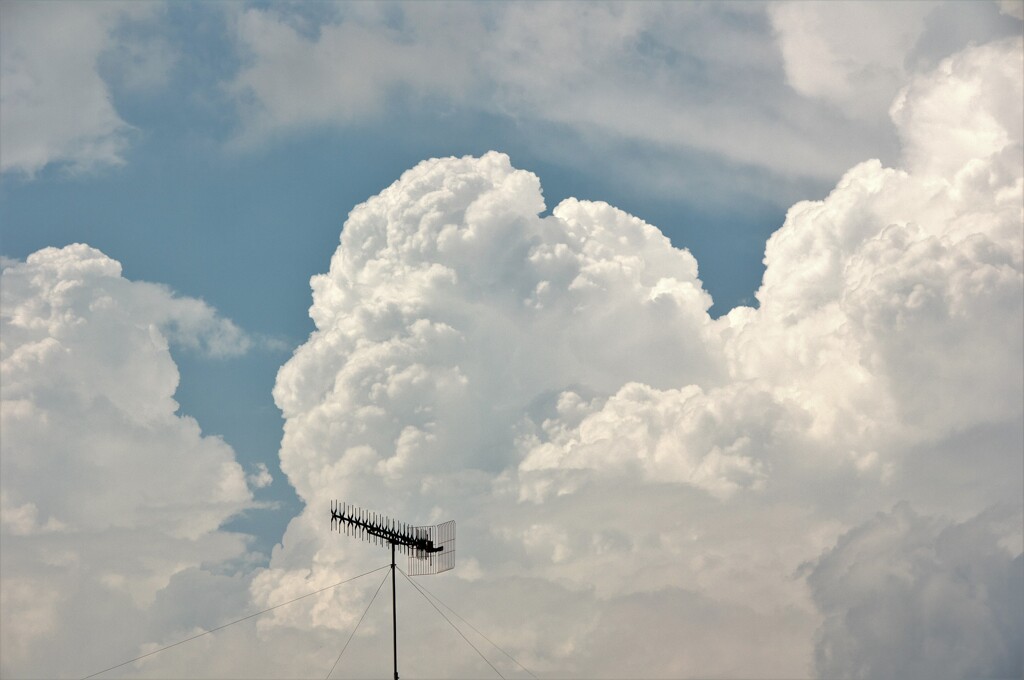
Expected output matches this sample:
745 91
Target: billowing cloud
899 294
556 384
107 491
685 436
639 488
461 338
477 308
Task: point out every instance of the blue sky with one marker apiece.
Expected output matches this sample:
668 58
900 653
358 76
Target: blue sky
217 149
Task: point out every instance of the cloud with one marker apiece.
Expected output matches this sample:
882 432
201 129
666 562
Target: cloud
689 80
871 294
260 478
662 80
1014 8
913 596
556 385
456 328
856 58
605 70
868 301
57 109
850 55
965 110
107 492
477 307
343 72
682 436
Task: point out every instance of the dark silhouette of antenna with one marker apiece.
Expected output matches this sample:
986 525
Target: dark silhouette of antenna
431 549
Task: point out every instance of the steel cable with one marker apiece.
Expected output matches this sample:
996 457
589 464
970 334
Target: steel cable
244 618
516 661
353 633
416 586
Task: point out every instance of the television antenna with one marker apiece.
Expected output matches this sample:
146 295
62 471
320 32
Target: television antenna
431 549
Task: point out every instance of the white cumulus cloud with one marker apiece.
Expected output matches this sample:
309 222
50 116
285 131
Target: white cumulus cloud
896 300
107 491
636 485
556 385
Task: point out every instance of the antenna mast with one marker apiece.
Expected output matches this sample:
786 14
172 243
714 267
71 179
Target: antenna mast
431 549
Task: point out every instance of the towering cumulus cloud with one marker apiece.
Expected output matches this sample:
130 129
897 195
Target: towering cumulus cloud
636 482
453 313
108 495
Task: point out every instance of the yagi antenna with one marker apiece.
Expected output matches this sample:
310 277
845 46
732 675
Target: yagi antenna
431 549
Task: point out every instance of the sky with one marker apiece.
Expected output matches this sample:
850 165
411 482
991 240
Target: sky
703 321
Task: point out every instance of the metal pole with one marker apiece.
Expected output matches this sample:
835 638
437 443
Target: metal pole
394 611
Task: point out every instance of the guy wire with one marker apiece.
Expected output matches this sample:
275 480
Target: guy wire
244 618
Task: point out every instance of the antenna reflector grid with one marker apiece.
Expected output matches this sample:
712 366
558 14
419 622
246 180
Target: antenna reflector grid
442 558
